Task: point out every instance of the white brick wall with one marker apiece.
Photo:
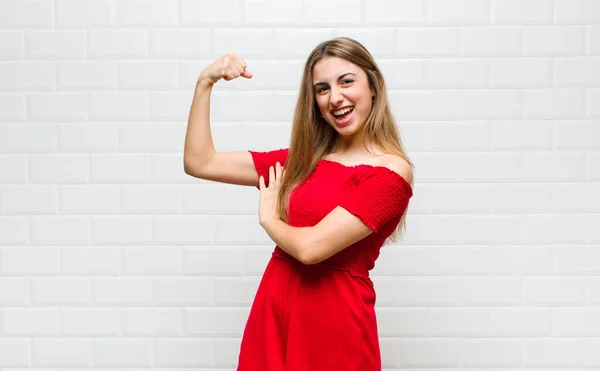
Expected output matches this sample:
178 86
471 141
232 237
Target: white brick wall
111 257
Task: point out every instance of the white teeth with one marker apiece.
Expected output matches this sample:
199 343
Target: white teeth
342 111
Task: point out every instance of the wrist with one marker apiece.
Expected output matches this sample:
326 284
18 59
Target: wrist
204 83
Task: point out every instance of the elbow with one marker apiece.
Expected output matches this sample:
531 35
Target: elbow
307 259
308 256
188 169
187 166
194 164
190 166
302 251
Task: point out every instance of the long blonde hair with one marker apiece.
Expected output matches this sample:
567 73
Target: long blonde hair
313 138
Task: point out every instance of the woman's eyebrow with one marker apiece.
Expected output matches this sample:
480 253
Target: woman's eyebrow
338 79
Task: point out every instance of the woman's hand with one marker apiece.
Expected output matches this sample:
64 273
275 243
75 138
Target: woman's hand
227 67
267 206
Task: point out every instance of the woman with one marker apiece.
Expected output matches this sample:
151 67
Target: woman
345 189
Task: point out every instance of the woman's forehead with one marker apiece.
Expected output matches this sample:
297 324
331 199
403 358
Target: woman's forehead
330 68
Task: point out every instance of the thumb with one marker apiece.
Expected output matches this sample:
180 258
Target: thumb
247 74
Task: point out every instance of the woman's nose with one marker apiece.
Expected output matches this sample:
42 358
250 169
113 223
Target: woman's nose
335 97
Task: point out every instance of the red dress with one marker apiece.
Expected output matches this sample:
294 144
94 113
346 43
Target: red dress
321 317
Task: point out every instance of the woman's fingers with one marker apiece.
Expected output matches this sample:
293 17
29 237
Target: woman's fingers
278 174
229 73
234 72
271 177
244 73
234 66
240 66
275 175
227 67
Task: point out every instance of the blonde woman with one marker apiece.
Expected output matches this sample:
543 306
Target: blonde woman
344 191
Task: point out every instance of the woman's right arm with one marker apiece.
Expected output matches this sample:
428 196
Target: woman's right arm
200 159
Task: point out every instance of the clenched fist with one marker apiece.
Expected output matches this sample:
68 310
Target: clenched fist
227 67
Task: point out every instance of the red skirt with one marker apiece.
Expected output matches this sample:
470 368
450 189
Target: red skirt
311 318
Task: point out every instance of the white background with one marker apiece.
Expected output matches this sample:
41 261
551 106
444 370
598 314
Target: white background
112 258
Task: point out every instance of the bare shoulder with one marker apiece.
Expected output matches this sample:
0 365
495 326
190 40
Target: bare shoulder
399 165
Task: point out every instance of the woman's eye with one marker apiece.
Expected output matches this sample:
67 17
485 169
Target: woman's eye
324 88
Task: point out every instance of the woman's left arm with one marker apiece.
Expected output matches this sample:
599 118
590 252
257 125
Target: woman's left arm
309 245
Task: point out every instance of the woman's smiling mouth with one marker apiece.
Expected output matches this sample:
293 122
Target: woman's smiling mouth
343 116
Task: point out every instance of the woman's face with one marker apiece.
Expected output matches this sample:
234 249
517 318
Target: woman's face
343 94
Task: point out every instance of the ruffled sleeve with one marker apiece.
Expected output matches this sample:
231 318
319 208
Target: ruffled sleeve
380 195
264 160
